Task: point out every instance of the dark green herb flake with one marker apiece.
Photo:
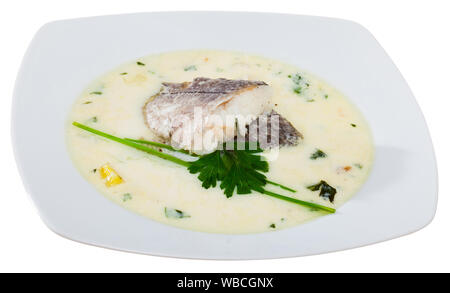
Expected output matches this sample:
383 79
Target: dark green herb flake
326 190
353 125
94 119
88 102
124 73
300 84
126 197
140 63
190 68
175 214
359 166
95 93
296 78
318 154
273 226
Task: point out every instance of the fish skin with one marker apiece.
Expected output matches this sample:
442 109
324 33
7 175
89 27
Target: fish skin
287 134
209 89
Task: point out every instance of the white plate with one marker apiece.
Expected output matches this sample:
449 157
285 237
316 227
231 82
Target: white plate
399 197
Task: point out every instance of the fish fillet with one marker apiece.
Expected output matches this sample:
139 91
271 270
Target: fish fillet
199 115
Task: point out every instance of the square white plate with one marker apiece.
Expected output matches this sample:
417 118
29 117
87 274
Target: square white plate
399 197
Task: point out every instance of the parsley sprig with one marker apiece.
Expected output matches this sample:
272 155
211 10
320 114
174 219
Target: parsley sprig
239 170
236 170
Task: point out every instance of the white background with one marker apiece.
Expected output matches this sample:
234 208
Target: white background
416 34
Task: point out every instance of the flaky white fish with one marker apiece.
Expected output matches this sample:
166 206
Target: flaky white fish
199 115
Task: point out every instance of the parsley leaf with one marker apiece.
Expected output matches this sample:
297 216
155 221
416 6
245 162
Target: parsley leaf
211 169
238 170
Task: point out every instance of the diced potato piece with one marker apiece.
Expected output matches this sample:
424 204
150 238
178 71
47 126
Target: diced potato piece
111 176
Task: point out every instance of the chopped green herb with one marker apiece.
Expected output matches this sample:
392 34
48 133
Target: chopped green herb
140 63
273 226
94 119
359 166
318 154
353 125
174 213
124 73
190 68
126 197
94 170
326 96
283 219
296 78
95 93
298 90
88 102
300 85
326 190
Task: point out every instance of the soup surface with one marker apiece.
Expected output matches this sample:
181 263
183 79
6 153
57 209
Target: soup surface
336 146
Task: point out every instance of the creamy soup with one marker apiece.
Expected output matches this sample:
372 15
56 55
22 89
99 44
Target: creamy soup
336 147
